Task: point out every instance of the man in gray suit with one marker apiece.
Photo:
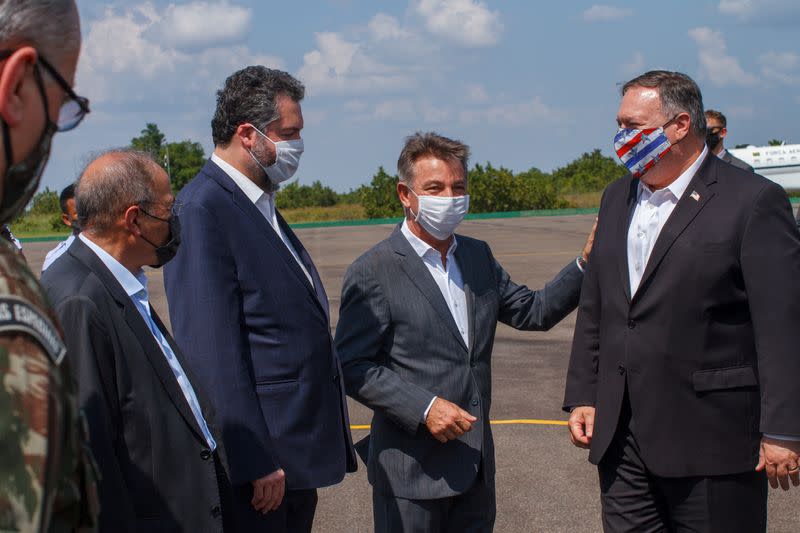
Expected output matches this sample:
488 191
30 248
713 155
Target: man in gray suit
415 335
716 131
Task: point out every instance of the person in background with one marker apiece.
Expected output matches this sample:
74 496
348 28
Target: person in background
46 477
150 426
69 216
716 131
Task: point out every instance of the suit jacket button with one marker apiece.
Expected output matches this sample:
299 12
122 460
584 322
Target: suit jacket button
475 401
216 511
336 378
205 455
473 364
631 324
621 370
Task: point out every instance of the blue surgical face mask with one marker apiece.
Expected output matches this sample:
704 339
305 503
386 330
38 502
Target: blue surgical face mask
287 159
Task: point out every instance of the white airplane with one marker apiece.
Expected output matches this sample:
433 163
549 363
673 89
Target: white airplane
781 163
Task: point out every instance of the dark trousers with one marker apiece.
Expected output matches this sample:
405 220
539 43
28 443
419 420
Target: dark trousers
471 512
295 514
636 500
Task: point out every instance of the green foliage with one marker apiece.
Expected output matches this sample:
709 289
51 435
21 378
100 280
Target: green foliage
379 198
45 202
498 189
182 160
590 172
294 195
775 142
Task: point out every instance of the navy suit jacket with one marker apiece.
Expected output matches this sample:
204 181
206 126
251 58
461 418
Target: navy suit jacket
257 334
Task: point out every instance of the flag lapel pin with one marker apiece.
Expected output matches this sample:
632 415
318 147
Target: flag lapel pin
695 196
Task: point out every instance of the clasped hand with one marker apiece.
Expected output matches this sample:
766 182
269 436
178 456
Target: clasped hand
446 421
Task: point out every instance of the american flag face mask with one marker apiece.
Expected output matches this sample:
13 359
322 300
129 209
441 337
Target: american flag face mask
639 150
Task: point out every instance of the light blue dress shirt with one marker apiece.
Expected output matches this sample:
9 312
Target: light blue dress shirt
136 288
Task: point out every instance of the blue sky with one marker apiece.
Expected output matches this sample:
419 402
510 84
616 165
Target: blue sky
524 83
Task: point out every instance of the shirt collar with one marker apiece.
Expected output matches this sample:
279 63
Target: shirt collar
250 189
421 247
130 284
722 153
678 187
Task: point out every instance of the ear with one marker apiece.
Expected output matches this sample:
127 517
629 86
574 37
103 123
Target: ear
723 133
12 78
404 195
131 217
683 124
246 135
66 220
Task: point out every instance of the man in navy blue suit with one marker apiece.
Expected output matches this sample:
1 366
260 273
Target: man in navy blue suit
248 307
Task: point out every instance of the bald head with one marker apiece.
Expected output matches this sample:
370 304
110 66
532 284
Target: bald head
114 181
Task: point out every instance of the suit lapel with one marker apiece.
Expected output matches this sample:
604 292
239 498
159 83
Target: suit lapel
685 211
468 276
319 289
141 331
624 222
418 273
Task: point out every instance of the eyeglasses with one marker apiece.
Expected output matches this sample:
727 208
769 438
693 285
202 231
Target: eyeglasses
74 109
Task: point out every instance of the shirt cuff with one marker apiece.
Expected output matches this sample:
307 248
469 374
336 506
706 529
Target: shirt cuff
578 262
428 410
794 438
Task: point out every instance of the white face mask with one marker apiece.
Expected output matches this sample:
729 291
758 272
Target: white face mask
440 215
287 159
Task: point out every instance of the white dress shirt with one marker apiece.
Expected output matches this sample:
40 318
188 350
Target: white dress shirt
448 279
136 288
264 202
57 252
653 208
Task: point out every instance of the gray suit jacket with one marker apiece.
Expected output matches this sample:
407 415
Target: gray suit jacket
400 347
735 161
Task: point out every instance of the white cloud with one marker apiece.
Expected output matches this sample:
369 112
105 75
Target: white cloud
635 65
530 111
476 93
603 13
199 25
398 110
781 67
716 64
124 60
466 22
740 8
340 65
383 27
779 13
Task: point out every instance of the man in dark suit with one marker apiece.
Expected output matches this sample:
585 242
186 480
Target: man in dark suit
249 308
415 333
683 375
149 426
716 131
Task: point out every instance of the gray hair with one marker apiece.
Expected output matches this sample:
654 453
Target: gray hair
50 26
678 93
248 97
102 194
430 144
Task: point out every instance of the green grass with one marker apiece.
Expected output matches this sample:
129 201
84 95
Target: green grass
39 225
582 200
324 214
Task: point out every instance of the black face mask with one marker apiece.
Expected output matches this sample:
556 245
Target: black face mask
22 179
165 252
713 139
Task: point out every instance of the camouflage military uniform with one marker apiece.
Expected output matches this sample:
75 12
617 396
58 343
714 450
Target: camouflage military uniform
47 478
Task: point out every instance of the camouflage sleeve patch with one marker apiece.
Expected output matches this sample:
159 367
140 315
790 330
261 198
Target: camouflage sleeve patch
17 315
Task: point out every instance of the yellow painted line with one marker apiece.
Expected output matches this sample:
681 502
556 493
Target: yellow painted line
518 421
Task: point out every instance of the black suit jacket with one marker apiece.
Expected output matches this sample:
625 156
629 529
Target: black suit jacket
400 346
157 472
708 346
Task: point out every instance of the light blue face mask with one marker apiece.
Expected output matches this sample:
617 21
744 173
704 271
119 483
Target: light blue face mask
287 159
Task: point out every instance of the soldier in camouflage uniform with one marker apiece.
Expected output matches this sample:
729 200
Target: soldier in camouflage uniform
47 479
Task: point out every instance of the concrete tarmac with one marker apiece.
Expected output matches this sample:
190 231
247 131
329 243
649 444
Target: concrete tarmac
544 484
